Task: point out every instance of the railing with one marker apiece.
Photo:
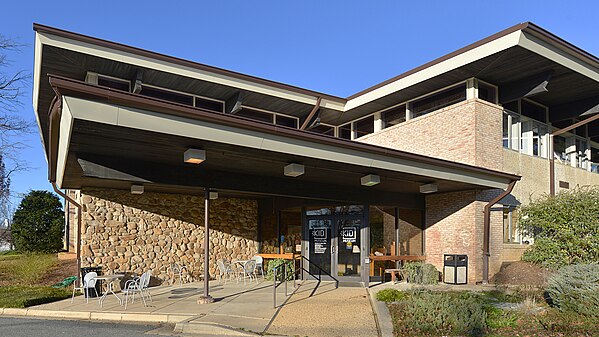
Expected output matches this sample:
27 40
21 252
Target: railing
320 271
274 281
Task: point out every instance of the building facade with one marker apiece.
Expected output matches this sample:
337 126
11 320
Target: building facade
434 161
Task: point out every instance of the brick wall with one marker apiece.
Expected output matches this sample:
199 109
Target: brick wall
467 132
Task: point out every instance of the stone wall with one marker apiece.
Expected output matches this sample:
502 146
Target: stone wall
134 233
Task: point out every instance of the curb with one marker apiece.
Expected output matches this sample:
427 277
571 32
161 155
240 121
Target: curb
95 316
381 315
212 329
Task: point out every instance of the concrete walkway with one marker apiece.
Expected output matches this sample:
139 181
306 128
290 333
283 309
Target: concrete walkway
238 310
322 310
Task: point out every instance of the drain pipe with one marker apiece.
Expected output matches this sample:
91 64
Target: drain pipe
487 229
76 204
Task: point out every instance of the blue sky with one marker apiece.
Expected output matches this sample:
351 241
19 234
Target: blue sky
337 47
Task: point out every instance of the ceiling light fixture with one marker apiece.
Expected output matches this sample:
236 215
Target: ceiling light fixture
213 195
428 188
370 180
294 170
194 156
137 189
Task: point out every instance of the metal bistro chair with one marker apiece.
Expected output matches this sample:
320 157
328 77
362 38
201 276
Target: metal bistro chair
89 282
248 270
224 267
259 264
178 269
138 285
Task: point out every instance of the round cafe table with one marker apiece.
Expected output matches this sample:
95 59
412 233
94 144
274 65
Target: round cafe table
109 279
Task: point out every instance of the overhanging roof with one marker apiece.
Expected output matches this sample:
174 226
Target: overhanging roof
152 125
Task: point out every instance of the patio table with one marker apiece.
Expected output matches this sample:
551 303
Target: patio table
109 286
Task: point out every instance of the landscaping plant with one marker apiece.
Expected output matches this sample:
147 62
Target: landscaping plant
278 264
421 273
576 288
565 228
38 223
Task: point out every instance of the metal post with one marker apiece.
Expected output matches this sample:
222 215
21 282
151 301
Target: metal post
285 276
206 298
274 288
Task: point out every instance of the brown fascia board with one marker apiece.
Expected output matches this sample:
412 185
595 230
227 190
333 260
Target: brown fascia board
66 86
528 27
171 59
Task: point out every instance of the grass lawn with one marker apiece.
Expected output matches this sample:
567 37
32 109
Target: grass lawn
22 277
430 313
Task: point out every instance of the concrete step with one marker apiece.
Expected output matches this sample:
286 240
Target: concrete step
211 329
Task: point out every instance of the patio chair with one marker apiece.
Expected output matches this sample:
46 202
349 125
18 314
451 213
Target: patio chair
225 269
248 270
178 269
138 285
259 264
89 282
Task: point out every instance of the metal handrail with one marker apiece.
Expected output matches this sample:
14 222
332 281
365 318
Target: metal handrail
320 271
274 281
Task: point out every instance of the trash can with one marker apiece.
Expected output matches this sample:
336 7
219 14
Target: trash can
455 269
98 287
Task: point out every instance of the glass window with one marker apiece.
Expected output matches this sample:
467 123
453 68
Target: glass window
510 221
209 104
560 150
439 100
364 126
286 121
533 111
581 153
166 95
511 106
394 116
345 131
595 159
410 232
256 115
487 92
114 83
291 230
324 129
506 130
515 132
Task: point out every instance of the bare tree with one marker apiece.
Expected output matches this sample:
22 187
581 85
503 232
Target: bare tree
13 126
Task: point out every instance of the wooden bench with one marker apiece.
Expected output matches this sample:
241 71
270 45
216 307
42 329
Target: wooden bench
399 272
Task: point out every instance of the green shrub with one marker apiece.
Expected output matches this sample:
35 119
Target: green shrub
38 223
390 295
425 312
421 273
576 288
565 228
278 263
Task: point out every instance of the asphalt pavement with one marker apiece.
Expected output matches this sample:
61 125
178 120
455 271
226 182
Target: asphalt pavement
27 327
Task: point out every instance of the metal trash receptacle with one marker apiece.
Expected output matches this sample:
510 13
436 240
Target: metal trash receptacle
98 287
455 269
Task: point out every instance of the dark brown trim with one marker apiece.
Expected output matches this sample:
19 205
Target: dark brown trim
311 114
567 46
53 135
75 87
171 59
487 228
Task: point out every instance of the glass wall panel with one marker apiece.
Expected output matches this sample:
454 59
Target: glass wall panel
487 92
364 126
439 100
345 131
394 116
382 236
291 230
410 232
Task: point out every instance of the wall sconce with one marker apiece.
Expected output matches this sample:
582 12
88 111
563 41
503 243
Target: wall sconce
194 156
213 195
370 180
294 170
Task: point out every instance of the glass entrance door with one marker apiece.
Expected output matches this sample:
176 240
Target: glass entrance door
348 246
335 245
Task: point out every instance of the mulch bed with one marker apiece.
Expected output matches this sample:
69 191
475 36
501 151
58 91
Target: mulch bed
522 273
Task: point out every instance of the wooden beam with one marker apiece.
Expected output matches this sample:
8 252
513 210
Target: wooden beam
581 108
311 114
527 87
137 82
233 103
91 169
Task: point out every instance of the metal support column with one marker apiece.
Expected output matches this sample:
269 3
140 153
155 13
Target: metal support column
206 298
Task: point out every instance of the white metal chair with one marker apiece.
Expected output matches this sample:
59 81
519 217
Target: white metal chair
178 269
248 270
225 269
138 285
259 264
89 282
